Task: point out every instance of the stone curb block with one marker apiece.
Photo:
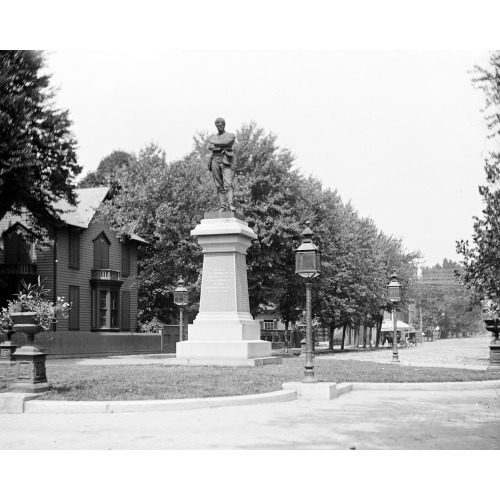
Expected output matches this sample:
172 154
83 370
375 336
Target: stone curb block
427 386
15 402
158 405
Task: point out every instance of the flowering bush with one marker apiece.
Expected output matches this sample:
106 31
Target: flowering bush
153 326
490 309
32 298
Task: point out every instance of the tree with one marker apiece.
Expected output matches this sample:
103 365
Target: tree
444 302
38 161
108 172
481 259
161 202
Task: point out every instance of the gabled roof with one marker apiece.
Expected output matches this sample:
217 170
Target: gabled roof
88 201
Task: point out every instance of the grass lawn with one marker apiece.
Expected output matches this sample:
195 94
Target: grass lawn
133 382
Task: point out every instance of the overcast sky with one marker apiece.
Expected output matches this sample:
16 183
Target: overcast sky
399 133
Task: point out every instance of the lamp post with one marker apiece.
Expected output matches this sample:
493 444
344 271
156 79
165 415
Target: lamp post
308 265
394 295
181 299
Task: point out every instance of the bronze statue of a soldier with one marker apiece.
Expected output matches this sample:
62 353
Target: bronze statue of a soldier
220 164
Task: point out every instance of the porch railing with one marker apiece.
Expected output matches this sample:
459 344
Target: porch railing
18 269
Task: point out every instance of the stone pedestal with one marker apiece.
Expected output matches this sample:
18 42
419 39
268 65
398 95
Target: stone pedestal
494 364
30 371
7 349
224 332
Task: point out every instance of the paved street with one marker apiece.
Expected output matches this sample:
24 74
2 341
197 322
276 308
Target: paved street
361 419
472 352
375 420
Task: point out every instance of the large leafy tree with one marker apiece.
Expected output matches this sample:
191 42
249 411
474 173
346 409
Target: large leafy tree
108 172
161 202
481 259
38 162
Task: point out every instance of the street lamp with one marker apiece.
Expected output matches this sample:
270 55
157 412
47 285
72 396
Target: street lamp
181 299
308 265
394 295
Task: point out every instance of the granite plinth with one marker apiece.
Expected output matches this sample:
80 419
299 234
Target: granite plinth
224 332
224 215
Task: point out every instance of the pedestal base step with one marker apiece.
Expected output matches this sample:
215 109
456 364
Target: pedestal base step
29 387
271 360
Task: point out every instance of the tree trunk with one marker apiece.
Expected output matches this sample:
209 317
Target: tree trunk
331 333
364 336
379 330
342 346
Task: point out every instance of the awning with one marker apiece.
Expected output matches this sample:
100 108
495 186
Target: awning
388 325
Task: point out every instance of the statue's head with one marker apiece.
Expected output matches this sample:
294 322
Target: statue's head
220 123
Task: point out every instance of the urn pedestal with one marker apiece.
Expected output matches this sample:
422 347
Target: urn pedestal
31 376
7 349
493 326
224 332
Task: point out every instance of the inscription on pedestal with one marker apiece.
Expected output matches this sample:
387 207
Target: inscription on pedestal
218 279
4 353
217 288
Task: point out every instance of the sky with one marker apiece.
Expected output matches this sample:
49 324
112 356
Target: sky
397 133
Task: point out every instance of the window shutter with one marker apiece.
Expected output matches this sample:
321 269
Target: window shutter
74 313
125 310
74 249
126 260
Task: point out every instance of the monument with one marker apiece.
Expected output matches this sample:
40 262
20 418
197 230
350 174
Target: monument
224 332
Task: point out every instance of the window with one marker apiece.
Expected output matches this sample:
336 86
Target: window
101 252
125 311
105 309
268 325
125 260
17 249
74 248
74 312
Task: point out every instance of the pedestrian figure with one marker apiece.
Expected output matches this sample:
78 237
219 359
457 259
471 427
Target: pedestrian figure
220 164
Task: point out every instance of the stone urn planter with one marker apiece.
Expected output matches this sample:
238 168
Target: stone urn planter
30 313
30 359
26 322
493 326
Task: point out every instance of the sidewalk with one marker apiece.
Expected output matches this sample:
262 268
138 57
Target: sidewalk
377 419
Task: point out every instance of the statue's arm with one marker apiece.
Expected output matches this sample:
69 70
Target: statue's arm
225 141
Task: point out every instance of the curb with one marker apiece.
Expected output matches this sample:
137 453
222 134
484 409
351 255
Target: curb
427 386
155 405
30 405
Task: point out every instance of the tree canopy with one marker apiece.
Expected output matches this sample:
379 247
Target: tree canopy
38 162
481 258
163 202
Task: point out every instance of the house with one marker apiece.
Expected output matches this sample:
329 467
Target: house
272 328
87 264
